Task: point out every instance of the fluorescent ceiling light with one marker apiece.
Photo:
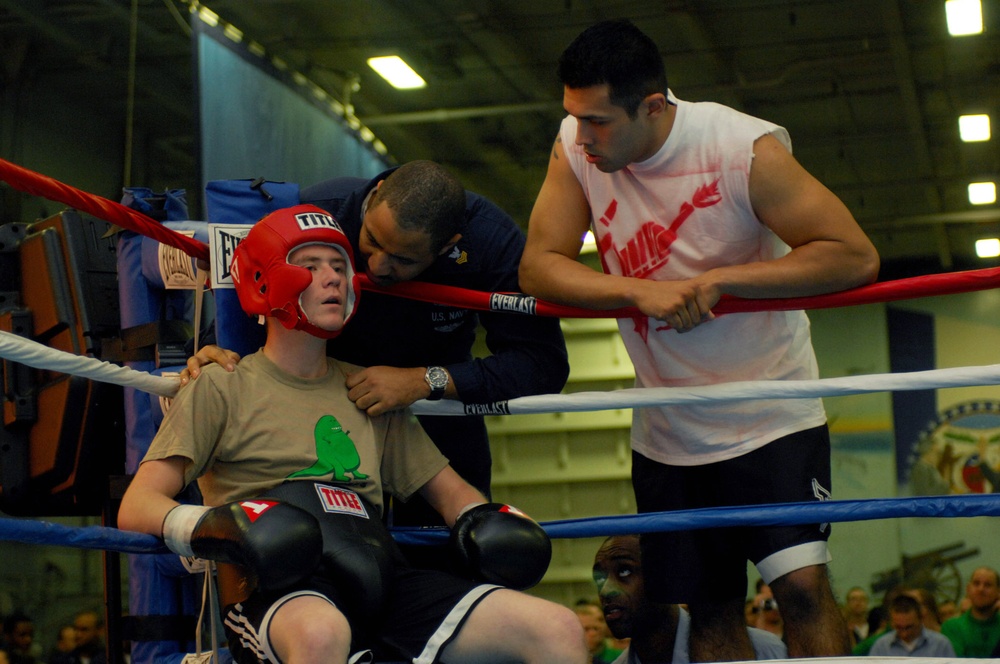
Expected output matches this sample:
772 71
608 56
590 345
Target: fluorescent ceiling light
395 70
974 128
965 17
207 15
982 193
988 247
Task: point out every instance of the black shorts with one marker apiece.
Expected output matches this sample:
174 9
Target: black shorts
425 614
710 564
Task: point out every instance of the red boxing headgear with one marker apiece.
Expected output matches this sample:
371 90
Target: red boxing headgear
268 285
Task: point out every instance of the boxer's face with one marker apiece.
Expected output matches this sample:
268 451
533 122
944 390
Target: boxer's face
618 575
324 301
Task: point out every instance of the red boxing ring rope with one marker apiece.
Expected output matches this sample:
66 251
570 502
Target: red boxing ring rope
115 213
886 291
902 289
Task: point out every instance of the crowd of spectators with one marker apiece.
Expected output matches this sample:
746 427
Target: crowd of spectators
78 641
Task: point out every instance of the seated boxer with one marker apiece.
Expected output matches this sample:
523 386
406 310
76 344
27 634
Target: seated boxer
292 476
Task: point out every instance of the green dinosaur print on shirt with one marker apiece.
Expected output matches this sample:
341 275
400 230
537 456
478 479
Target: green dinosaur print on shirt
335 452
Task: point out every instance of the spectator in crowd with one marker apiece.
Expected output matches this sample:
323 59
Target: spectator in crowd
856 614
62 651
766 611
596 632
89 628
657 632
19 638
909 637
976 633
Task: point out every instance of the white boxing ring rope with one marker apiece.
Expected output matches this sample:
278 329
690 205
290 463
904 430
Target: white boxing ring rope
39 356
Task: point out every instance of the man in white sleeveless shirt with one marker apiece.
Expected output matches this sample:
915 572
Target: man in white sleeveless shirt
689 202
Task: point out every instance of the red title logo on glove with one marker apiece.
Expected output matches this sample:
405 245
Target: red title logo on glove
510 509
254 508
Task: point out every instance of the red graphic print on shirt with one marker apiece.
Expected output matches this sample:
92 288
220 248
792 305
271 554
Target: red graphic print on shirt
649 249
609 214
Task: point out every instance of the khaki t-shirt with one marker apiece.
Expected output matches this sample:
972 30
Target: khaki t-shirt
247 431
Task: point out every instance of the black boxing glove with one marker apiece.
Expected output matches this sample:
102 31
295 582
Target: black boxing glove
359 555
280 544
500 544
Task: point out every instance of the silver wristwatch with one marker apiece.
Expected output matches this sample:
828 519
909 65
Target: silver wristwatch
437 378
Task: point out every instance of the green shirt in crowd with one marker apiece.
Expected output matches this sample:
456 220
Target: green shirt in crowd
971 637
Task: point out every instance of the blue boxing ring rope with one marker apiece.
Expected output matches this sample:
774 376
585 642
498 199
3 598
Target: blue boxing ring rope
783 514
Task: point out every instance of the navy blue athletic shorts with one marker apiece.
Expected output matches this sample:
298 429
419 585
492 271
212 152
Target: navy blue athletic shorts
710 564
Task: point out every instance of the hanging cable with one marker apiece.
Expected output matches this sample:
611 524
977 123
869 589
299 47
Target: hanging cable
133 32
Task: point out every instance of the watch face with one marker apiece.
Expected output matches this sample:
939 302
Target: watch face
437 377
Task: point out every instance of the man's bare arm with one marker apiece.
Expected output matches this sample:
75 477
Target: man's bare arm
150 495
448 494
830 252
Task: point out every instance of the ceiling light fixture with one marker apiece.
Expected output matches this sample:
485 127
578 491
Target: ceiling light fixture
982 193
965 17
973 128
988 247
395 70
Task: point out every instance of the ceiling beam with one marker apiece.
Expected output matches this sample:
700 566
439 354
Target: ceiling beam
447 114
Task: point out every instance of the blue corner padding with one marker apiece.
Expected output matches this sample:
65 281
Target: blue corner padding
242 202
143 300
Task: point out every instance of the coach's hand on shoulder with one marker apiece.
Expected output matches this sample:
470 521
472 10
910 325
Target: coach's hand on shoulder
379 390
208 355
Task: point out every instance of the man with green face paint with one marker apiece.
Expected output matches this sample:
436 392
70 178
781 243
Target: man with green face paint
658 632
